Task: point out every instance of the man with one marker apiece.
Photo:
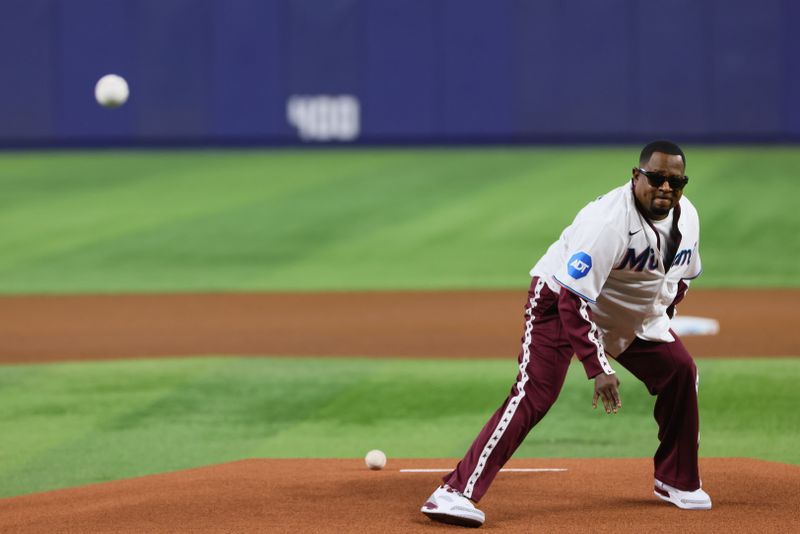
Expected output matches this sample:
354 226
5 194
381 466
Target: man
607 287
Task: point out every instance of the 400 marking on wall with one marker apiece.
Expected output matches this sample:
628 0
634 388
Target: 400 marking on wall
325 117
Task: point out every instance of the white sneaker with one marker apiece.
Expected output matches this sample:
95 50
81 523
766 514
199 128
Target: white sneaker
447 505
688 500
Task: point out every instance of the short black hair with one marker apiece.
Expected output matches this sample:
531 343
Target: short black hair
666 147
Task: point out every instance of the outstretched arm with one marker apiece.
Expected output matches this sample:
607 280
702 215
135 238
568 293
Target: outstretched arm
576 317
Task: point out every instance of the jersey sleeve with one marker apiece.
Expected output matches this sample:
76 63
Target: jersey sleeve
695 265
583 334
592 249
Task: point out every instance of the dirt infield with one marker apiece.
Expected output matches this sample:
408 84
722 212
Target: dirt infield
398 324
343 496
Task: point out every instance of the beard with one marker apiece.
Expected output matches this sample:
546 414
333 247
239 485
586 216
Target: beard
661 209
660 212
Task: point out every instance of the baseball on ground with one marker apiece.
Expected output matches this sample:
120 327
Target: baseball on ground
375 459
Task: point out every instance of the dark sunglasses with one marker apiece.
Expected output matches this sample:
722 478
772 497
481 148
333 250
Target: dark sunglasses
655 179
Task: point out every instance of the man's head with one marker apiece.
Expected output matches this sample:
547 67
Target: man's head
659 180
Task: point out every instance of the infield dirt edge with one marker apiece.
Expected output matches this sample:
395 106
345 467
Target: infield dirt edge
451 324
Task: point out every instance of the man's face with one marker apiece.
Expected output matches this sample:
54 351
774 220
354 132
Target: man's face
657 201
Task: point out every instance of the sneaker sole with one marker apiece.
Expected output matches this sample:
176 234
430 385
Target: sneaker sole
452 519
665 496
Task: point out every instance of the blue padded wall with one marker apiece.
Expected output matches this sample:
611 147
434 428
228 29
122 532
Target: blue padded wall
417 71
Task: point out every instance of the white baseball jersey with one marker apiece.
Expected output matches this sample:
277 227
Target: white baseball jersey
611 256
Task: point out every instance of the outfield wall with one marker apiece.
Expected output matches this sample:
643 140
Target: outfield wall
408 71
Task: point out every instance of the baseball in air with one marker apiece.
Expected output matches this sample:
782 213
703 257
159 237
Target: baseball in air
375 459
111 91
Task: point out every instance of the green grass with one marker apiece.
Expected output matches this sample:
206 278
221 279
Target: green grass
241 220
70 424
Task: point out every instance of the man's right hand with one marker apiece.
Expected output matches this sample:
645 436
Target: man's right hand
606 387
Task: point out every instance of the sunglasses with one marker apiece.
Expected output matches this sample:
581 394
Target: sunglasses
655 179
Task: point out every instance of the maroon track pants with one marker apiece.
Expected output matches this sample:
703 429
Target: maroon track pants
666 369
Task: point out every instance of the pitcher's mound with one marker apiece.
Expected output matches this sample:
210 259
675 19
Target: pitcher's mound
296 496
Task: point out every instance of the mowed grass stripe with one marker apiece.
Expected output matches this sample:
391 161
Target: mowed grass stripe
357 219
45 408
117 219
70 424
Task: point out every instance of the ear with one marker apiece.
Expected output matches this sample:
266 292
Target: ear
634 173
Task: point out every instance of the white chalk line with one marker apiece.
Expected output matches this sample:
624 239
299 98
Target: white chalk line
511 470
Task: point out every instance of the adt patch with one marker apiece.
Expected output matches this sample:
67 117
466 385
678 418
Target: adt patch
579 265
